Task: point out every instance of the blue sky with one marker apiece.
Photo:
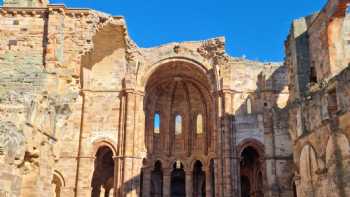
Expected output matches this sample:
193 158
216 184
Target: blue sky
255 28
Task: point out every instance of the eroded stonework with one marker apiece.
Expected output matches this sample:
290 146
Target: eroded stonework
85 112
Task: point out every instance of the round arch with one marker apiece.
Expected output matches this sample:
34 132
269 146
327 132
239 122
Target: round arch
103 142
200 159
173 162
58 183
60 177
252 167
308 163
142 79
250 142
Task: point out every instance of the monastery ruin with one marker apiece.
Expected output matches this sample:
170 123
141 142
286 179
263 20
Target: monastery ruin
85 112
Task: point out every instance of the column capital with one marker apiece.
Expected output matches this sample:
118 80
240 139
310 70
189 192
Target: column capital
189 172
147 169
167 171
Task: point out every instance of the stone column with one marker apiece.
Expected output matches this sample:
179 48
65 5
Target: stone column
166 182
111 193
146 190
102 192
208 189
297 182
189 183
228 144
131 149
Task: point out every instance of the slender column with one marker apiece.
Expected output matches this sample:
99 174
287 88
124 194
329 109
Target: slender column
146 190
208 182
166 182
111 193
298 185
102 192
189 183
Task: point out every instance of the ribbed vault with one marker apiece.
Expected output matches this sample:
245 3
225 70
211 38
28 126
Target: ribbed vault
178 89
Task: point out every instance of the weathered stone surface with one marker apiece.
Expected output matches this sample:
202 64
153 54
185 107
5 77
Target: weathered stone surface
78 100
317 60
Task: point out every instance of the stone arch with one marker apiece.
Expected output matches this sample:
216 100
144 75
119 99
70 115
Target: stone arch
259 146
60 177
148 71
103 176
251 171
195 159
178 88
307 162
178 179
199 181
173 162
253 151
103 142
308 166
58 183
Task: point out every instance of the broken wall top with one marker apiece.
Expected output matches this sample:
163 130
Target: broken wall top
26 3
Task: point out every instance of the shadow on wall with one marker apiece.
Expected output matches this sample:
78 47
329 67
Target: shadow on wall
97 64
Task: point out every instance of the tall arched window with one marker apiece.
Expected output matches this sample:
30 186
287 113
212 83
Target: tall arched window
199 124
249 106
178 125
156 123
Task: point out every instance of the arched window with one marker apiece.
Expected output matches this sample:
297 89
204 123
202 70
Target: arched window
199 124
156 123
178 125
249 106
57 185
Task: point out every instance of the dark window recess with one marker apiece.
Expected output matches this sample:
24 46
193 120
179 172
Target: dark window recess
332 103
16 22
12 42
2 150
313 76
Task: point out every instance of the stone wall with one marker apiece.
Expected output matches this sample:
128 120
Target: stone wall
318 107
73 84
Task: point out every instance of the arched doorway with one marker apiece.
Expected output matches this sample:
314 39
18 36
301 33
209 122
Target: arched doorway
178 180
251 173
157 180
198 180
103 176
